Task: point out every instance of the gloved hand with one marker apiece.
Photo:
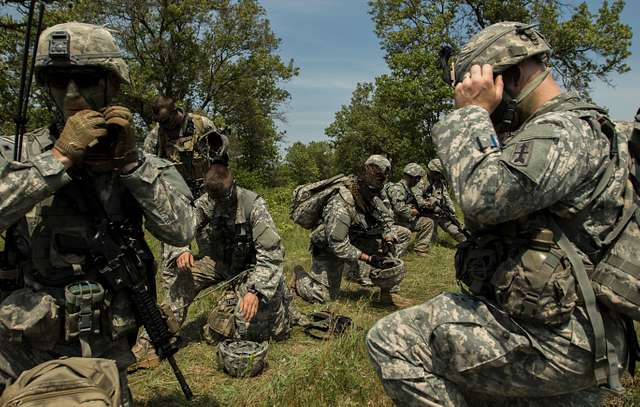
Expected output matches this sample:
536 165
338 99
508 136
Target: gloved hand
81 131
376 261
118 119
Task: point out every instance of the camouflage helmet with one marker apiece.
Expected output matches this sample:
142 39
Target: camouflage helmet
242 358
79 44
379 161
502 45
435 165
414 170
390 275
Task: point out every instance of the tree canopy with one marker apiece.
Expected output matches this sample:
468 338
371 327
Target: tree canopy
395 113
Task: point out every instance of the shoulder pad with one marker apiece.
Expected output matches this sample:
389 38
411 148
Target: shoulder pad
346 195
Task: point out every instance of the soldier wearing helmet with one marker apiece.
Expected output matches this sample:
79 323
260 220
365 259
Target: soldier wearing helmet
355 228
90 146
539 173
403 202
433 200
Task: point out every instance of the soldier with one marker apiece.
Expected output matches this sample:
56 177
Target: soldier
434 200
355 225
538 202
238 243
402 198
91 150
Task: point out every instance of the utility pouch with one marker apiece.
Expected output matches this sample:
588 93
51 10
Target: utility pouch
84 305
536 283
220 322
30 316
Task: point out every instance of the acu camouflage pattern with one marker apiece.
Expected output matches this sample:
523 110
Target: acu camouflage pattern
230 243
379 161
414 170
432 197
89 45
474 347
188 149
242 358
402 200
39 188
502 45
343 235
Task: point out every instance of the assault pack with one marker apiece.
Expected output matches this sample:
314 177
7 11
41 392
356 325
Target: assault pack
309 200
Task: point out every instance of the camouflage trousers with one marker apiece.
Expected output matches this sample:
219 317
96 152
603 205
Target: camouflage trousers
16 358
451 228
456 350
323 283
181 288
424 228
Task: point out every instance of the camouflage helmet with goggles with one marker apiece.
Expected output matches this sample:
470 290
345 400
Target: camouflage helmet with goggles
79 45
435 165
502 45
414 170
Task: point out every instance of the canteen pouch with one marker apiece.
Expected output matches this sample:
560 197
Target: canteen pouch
536 283
32 317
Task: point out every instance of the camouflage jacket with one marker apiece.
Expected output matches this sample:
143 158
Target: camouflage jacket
401 200
343 222
551 164
237 242
183 150
430 195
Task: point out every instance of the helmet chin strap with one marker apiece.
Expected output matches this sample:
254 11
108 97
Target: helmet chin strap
513 114
531 86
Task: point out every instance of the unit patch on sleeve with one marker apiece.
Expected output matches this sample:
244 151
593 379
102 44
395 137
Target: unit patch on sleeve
522 153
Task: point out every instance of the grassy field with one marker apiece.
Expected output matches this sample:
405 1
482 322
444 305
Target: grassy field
303 371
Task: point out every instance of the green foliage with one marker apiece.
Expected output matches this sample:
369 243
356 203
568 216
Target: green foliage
394 114
219 58
311 162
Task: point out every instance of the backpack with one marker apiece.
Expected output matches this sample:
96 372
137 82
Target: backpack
66 382
309 200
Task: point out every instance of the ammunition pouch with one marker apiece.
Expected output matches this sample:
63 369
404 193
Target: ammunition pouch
84 309
220 322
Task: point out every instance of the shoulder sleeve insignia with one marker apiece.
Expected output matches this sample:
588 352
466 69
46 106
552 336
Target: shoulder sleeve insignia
522 153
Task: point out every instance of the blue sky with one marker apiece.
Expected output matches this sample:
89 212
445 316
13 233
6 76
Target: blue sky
333 43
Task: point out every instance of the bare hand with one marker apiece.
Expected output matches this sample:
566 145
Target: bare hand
249 306
185 261
478 88
414 212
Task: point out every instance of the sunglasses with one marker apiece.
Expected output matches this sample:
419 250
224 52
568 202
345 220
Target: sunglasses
82 79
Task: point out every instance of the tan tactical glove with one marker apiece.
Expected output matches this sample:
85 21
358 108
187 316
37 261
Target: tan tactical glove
81 131
119 119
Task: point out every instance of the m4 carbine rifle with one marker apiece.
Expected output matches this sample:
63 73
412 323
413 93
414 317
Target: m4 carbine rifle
120 262
441 209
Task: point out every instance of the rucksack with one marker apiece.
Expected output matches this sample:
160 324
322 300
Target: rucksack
66 382
309 200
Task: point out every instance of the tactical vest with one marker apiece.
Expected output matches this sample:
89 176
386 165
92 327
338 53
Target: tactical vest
533 271
184 151
232 236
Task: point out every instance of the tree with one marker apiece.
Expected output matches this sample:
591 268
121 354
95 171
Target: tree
218 57
405 104
311 162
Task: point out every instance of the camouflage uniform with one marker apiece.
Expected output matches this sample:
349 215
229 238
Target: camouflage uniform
59 221
231 243
433 197
460 349
401 200
192 164
337 243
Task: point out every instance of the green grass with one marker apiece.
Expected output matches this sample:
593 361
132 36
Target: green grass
303 371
